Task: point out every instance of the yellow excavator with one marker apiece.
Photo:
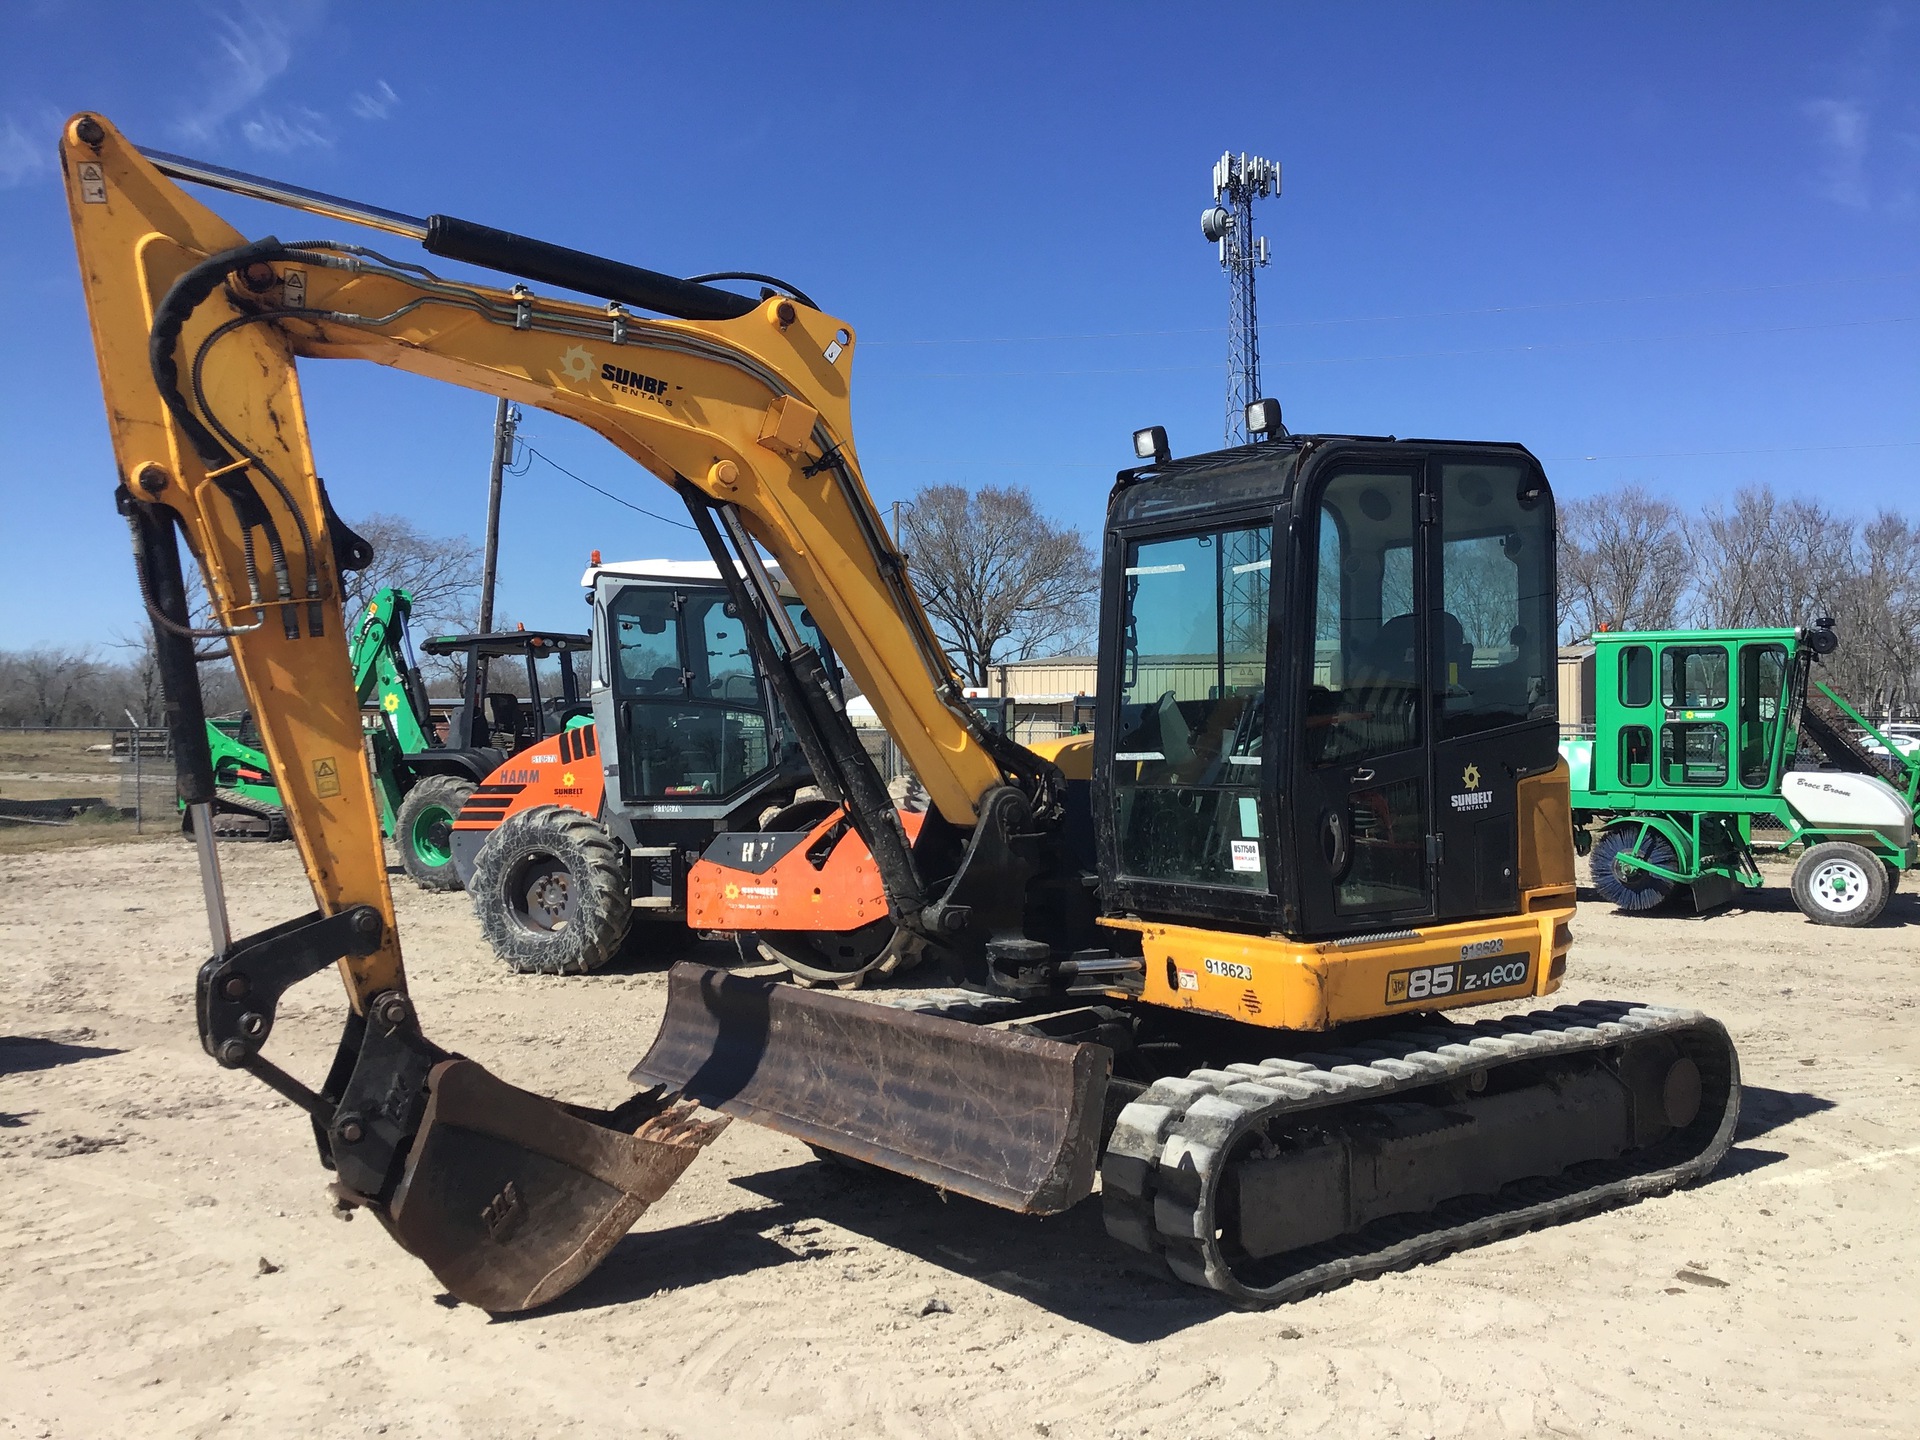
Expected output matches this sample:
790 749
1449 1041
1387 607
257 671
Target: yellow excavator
1207 955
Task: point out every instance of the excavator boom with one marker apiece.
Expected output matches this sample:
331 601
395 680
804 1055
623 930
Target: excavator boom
510 1198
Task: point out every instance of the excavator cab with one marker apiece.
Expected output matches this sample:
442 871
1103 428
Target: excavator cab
1325 673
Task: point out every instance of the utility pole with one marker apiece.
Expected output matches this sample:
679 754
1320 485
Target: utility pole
1237 181
505 417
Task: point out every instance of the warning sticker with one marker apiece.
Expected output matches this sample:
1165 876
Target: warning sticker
93 182
293 286
326 777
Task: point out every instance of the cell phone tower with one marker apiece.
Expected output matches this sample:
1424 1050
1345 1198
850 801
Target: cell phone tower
1228 222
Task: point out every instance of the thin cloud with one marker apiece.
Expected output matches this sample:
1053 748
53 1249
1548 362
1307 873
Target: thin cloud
376 104
1844 130
27 148
1863 128
278 132
253 43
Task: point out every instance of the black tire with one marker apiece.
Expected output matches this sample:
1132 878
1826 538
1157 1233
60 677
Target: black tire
550 888
1840 883
424 830
1626 885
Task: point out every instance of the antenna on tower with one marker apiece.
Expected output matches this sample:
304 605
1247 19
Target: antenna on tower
1237 180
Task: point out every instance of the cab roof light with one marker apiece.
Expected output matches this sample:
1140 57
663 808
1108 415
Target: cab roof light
1151 444
1263 419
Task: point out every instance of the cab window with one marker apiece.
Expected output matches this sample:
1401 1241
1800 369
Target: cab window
1763 684
1496 657
646 643
1693 677
1192 715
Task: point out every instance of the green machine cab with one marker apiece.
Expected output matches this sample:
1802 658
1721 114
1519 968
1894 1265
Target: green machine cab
1699 735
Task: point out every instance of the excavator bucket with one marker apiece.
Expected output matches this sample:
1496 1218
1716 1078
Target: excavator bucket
511 1199
1008 1118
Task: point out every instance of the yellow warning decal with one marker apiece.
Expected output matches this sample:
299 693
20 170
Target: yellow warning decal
326 777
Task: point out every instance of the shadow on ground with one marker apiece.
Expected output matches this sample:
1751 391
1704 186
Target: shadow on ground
1064 1263
1903 907
22 1053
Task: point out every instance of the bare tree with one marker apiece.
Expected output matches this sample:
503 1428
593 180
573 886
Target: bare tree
1878 663
999 581
140 677
442 573
1623 563
1767 561
52 685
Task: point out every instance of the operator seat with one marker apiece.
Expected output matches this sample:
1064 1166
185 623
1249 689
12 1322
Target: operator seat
510 717
1390 655
667 680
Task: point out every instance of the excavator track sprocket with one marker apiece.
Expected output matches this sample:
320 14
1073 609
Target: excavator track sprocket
1269 1182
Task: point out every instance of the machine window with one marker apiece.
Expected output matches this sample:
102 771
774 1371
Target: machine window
693 722
1763 687
724 668
1388 838
1636 751
1636 675
646 643
695 751
1694 754
1693 677
1363 697
1495 639
1192 719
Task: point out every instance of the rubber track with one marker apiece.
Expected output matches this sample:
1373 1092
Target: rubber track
1161 1171
233 801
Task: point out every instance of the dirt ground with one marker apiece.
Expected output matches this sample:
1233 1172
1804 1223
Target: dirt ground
171 1266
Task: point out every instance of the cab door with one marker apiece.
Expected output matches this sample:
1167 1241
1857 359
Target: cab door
1493 671
1362 788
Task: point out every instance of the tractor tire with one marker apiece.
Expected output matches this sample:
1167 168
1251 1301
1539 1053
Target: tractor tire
424 830
1627 886
550 888
1839 883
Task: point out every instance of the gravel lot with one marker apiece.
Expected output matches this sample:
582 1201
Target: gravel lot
171 1266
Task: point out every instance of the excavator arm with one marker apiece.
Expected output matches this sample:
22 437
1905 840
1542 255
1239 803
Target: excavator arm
742 407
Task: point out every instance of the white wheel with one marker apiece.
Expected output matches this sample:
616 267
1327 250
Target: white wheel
1840 884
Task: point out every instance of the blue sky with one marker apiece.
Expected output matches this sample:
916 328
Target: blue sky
1672 245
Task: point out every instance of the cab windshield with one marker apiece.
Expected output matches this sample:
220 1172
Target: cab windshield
693 714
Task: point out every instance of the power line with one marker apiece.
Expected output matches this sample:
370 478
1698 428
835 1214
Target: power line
641 509
970 463
1756 450
1536 346
1530 308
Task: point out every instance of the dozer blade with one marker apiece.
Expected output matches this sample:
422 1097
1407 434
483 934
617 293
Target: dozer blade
1010 1119
512 1199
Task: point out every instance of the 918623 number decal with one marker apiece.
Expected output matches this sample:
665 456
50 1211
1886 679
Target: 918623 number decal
1459 977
